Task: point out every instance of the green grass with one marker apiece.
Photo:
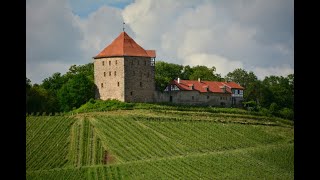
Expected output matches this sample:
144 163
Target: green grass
159 144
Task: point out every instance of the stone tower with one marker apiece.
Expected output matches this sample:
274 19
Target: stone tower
125 71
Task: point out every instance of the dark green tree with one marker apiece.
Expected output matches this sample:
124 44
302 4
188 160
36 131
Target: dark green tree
77 91
204 73
38 100
165 72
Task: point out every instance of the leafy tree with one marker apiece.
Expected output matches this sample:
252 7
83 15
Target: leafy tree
86 69
204 73
75 92
186 72
38 100
242 77
282 89
165 72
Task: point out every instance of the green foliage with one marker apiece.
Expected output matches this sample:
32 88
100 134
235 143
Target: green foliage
242 77
38 99
287 113
165 72
100 105
204 73
75 92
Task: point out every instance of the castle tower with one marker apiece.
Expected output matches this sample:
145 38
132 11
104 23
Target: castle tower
125 71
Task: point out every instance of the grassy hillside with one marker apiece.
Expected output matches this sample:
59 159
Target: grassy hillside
159 143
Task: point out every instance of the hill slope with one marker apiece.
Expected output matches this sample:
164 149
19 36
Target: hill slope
159 144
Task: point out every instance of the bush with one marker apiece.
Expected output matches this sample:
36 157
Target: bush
274 108
265 111
287 113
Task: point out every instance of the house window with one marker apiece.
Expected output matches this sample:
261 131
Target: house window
138 62
208 97
131 93
240 91
101 85
102 63
109 63
104 74
132 62
140 84
145 62
115 73
118 84
220 98
109 73
192 97
116 62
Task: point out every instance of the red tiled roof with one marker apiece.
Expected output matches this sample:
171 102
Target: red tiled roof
124 45
151 53
214 86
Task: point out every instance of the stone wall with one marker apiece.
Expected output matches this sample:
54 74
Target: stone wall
129 79
139 79
194 98
109 78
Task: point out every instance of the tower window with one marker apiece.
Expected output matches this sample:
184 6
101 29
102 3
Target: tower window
109 63
134 73
140 84
104 74
131 93
109 73
115 73
102 85
148 74
208 97
145 62
138 62
102 63
118 84
116 62
131 62
192 97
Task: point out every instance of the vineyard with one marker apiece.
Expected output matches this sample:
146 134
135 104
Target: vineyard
159 144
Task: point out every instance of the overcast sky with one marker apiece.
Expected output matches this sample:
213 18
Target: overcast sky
256 35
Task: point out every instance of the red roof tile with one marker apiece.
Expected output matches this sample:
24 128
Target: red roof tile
124 45
213 86
151 53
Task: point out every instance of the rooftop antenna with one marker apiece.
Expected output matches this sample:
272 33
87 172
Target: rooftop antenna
123 26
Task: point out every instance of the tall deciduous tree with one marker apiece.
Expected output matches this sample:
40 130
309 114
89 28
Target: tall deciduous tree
204 73
75 92
165 72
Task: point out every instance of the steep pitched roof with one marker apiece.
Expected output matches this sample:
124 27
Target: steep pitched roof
124 45
206 86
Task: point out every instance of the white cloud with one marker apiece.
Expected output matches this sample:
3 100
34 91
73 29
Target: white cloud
222 64
283 70
224 34
37 72
99 30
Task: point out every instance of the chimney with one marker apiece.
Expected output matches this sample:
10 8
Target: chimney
178 80
199 80
192 87
223 88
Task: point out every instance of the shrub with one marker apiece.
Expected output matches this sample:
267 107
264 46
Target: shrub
287 113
